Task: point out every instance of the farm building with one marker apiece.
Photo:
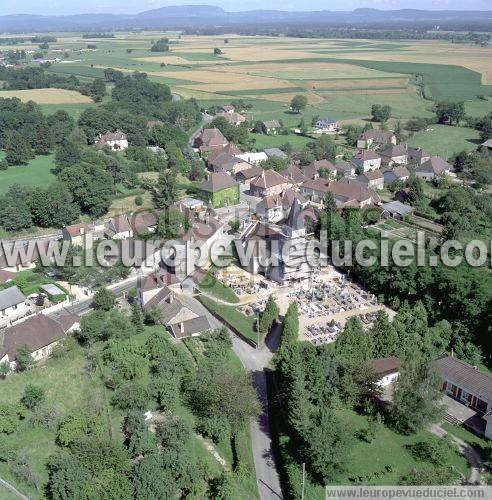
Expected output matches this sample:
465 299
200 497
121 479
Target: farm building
375 138
433 167
270 127
114 140
76 234
276 153
396 210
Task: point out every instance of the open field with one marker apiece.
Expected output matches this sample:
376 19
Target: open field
37 173
445 141
47 96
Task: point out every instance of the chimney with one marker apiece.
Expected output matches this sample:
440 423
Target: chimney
181 327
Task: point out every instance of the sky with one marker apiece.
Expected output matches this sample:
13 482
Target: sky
62 7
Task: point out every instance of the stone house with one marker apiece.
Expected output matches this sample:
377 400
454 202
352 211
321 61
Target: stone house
220 190
114 140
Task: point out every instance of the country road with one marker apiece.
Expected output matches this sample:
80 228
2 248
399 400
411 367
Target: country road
256 362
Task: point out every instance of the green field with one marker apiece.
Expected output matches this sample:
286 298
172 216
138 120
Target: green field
444 141
37 173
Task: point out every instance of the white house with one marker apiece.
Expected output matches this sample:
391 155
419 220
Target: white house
114 140
253 158
386 370
326 126
12 304
367 160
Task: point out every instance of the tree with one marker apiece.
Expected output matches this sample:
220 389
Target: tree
166 133
137 318
352 134
417 397
165 193
450 113
104 299
23 358
17 149
380 113
217 51
269 315
384 337
298 103
68 153
328 445
15 213
415 189
138 439
218 391
33 396
96 89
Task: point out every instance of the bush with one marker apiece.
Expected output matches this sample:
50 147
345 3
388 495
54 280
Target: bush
139 201
33 396
47 416
8 451
217 429
21 469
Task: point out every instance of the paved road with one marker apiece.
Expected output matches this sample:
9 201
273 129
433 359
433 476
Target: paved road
256 362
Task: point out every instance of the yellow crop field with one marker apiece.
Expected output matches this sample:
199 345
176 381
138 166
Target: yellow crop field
47 96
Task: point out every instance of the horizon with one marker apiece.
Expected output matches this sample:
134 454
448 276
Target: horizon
62 8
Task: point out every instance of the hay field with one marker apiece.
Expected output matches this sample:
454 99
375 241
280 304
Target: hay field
47 96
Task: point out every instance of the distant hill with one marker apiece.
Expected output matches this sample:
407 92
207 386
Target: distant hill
212 16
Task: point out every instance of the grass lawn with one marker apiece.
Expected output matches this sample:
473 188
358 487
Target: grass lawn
30 282
381 462
237 320
444 141
66 385
211 285
37 173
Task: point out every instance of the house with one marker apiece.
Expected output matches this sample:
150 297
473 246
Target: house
386 370
143 222
366 160
269 183
210 139
375 138
227 108
191 327
315 189
276 153
469 386
253 158
395 154
224 162
396 210
350 193
77 234
270 127
114 140
230 149
326 125
418 155
12 303
396 174
277 207
313 170
433 167
233 118
155 287
488 146
220 189
246 176
39 333
192 204
372 179
345 168
347 193
294 175
20 255
119 228
6 276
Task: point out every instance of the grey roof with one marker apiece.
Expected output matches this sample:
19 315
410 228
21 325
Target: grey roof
218 181
275 152
465 376
487 143
11 297
192 326
397 207
52 289
294 220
